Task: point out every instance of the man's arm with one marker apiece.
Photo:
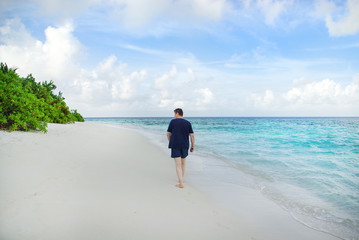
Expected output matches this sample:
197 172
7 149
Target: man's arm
192 142
168 136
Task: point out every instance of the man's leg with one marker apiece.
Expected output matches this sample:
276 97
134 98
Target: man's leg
183 166
179 172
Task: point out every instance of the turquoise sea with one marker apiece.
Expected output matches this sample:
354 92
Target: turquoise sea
308 166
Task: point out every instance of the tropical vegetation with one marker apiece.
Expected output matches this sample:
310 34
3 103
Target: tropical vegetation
29 105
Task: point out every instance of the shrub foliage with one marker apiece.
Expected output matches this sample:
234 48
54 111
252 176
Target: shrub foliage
29 105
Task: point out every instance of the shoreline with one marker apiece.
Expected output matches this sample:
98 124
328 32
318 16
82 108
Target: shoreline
199 178
87 180
302 204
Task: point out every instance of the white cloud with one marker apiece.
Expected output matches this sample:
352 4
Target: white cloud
324 92
339 21
140 17
110 88
54 57
57 9
205 97
263 101
107 83
179 89
162 82
143 50
208 9
63 8
162 16
60 48
58 59
271 9
138 13
14 33
325 97
323 8
348 24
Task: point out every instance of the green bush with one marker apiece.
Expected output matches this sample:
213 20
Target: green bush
26 104
77 116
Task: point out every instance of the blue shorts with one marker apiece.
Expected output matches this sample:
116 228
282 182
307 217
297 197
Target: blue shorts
181 152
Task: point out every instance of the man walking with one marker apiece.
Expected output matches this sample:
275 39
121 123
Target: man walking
178 133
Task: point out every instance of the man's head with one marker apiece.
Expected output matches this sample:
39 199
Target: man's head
179 112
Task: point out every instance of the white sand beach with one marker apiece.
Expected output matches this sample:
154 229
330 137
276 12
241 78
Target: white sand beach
91 181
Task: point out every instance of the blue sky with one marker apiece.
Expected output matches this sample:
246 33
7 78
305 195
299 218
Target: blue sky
210 57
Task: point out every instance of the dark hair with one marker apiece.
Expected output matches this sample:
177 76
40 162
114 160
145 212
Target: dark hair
179 111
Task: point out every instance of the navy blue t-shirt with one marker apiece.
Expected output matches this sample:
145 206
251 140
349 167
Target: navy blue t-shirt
180 130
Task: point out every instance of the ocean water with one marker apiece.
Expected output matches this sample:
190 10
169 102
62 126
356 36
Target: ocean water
308 166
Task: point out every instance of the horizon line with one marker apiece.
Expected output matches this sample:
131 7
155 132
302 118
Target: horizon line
233 117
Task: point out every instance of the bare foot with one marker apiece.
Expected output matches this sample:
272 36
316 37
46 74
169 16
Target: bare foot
179 186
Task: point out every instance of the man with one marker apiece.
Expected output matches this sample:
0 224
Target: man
178 133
